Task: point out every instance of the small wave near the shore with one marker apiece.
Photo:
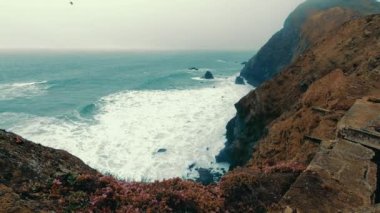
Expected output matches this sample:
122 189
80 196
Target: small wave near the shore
12 91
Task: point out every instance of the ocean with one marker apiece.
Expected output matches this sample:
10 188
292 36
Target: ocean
140 116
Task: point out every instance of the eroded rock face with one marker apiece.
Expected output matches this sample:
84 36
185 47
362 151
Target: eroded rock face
342 67
304 28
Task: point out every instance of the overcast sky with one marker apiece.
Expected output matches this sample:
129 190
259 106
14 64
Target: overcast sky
141 24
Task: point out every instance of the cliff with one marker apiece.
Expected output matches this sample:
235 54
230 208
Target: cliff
302 29
318 58
294 118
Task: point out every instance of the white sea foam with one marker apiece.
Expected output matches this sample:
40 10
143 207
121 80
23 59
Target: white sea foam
131 126
22 90
207 80
199 70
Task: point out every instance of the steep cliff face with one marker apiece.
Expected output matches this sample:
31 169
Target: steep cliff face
302 29
341 67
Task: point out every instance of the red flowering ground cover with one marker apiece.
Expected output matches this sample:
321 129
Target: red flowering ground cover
245 189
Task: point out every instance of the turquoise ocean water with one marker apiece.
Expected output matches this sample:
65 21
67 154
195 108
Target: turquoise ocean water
114 110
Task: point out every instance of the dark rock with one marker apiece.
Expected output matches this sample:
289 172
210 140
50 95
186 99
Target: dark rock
191 166
206 177
239 80
161 150
208 75
230 135
193 68
225 154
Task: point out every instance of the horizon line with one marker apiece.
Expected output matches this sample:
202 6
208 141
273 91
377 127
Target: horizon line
20 49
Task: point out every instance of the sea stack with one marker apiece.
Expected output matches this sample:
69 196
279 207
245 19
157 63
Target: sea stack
208 75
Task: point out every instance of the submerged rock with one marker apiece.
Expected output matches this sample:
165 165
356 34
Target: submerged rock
193 68
206 177
208 75
191 166
161 150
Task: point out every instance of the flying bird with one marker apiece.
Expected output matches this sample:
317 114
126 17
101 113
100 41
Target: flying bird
72 3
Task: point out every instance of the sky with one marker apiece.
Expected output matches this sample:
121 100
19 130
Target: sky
141 24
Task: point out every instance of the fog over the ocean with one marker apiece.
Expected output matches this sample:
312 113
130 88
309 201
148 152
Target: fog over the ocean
141 24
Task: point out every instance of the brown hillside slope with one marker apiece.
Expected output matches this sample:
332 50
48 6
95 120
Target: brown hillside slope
340 68
302 29
27 168
343 67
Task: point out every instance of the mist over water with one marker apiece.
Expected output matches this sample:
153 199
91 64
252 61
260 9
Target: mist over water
115 111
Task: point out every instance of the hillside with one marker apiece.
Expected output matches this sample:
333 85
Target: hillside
302 29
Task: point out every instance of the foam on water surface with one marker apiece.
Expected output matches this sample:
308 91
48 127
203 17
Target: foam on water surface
130 127
22 90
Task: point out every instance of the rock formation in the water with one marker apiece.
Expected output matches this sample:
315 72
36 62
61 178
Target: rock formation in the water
304 28
239 80
193 68
208 75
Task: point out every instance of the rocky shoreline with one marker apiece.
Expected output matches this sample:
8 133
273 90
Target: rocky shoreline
341 47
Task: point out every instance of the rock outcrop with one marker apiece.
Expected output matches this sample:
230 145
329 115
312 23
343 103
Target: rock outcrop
304 28
27 168
208 75
341 177
239 80
343 168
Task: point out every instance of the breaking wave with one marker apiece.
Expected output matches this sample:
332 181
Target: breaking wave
145 135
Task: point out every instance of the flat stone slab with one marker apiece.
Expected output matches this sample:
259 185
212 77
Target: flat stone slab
361 123
341 178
